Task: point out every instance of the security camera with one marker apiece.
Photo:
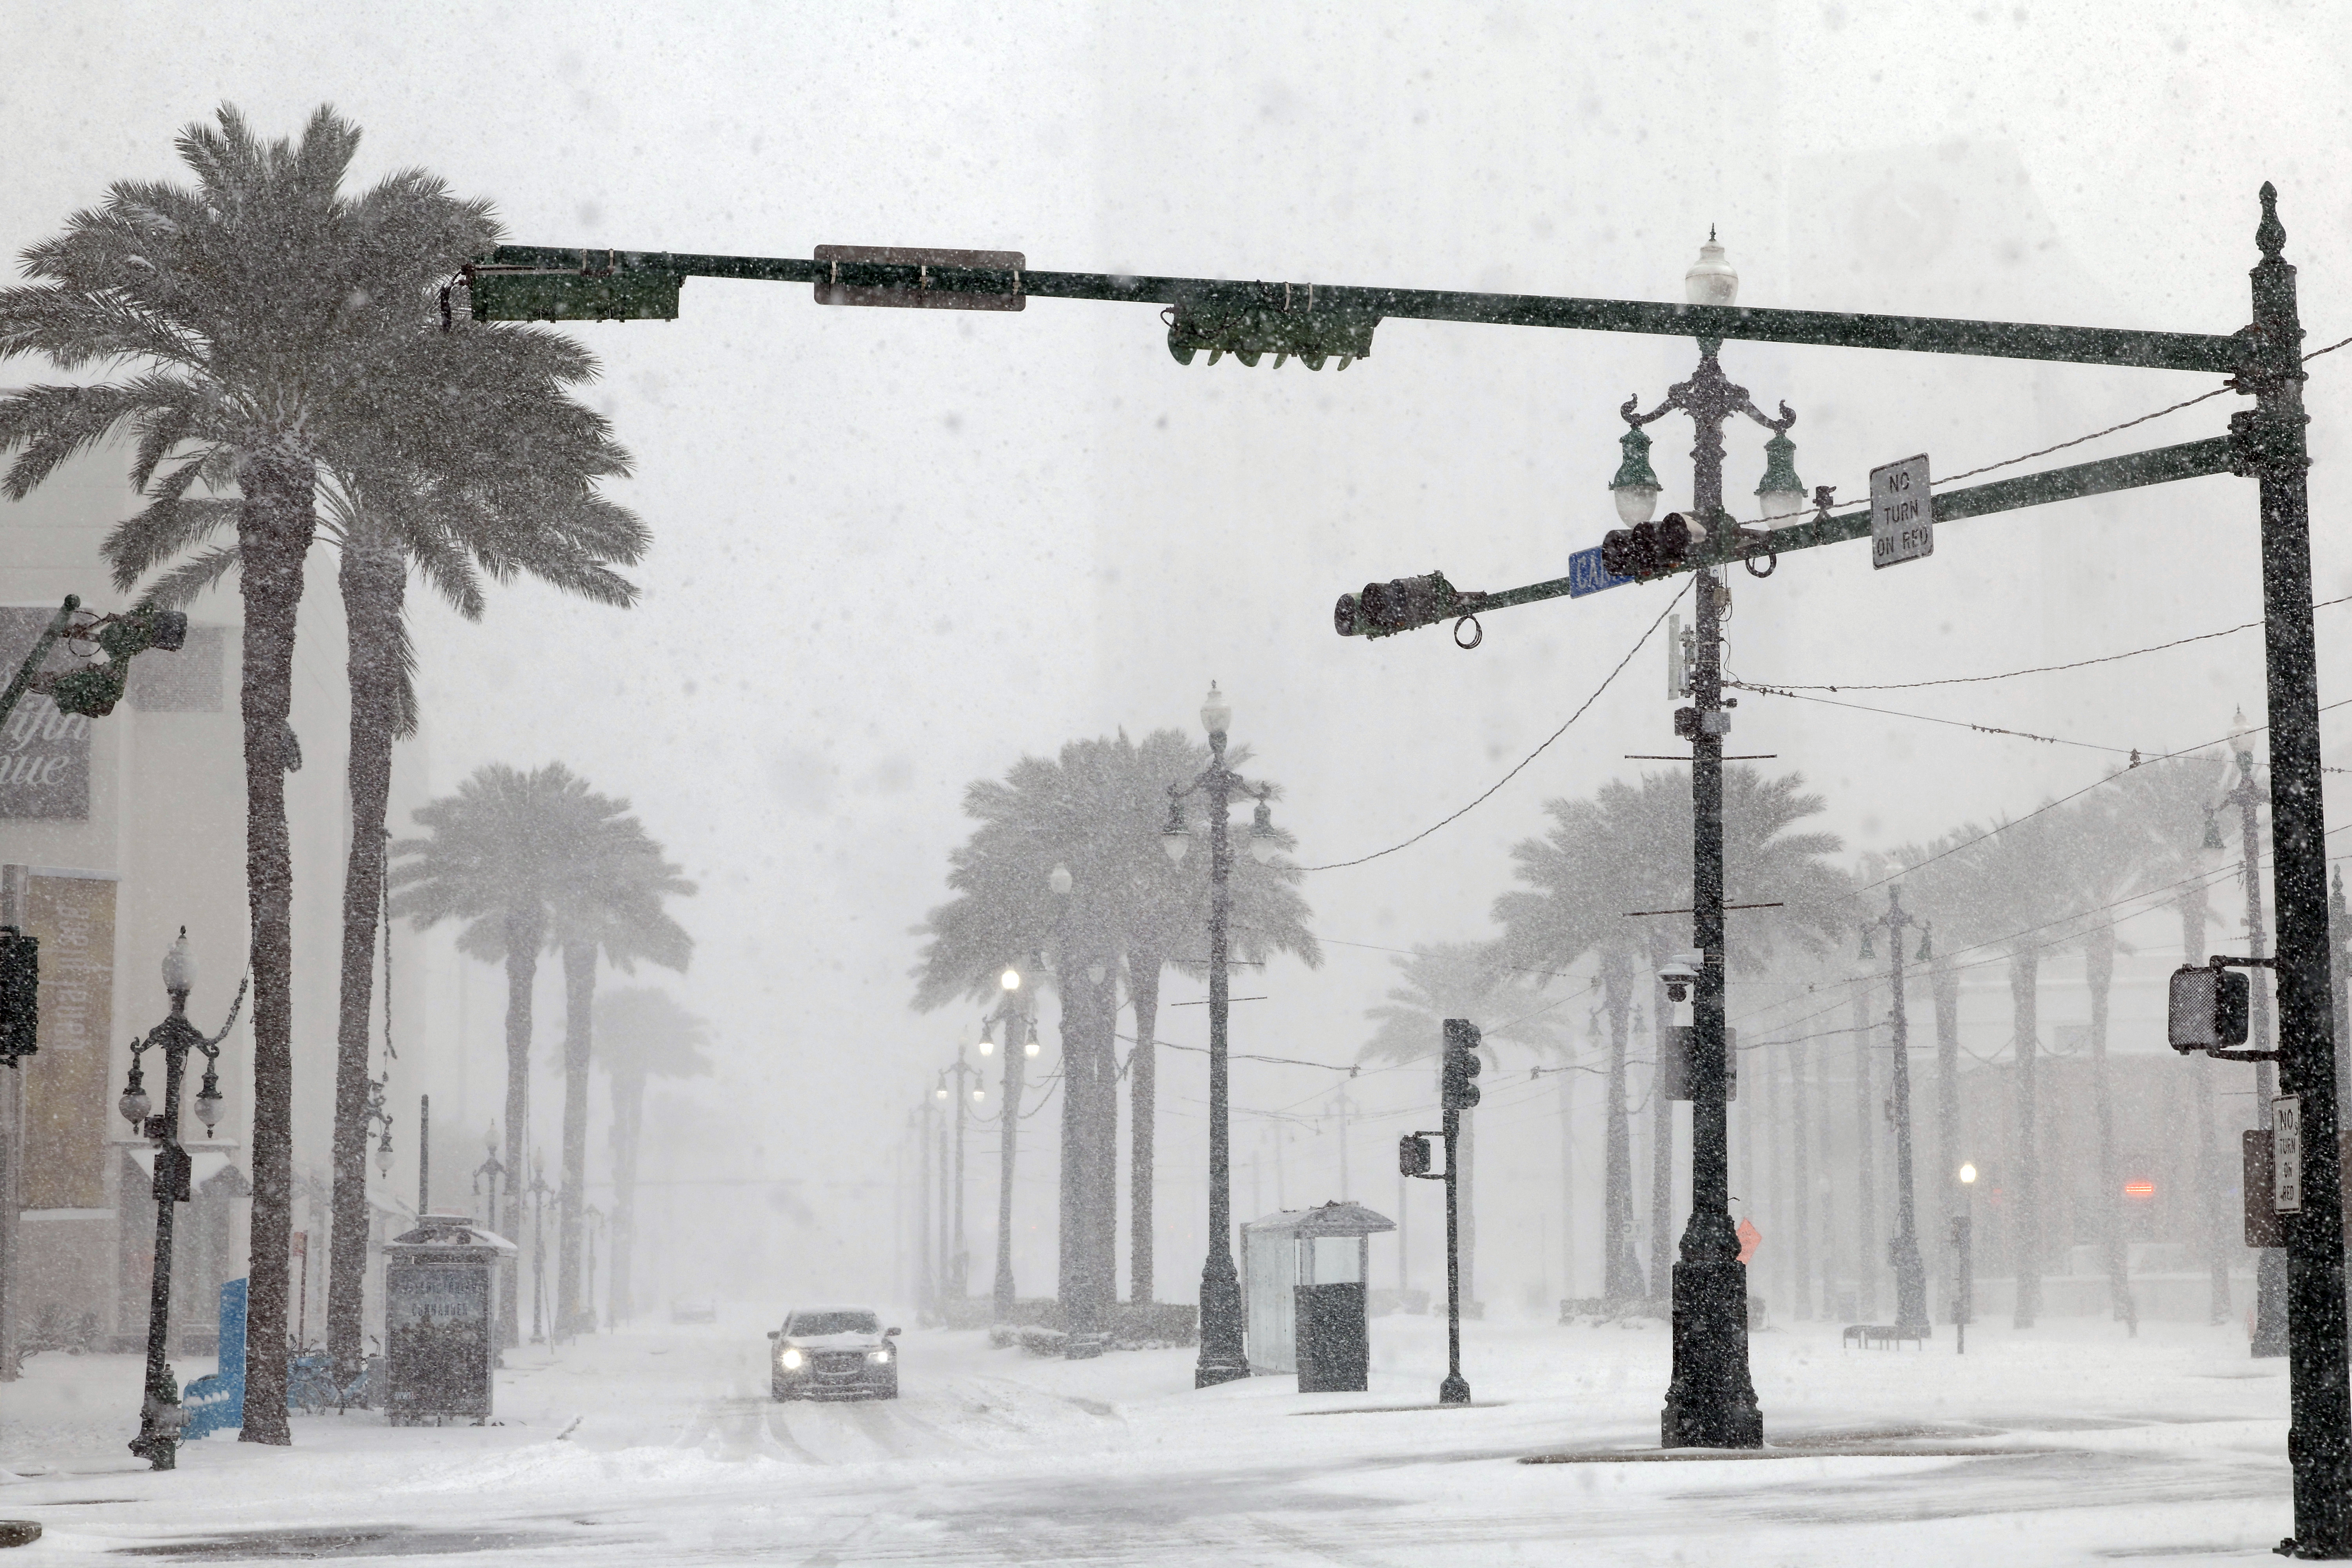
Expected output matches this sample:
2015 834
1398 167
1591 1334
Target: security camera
1677 976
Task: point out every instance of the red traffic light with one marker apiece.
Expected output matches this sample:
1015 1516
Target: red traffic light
1647 550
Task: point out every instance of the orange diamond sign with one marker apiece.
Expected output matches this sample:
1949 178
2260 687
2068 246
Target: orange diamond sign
1751 1238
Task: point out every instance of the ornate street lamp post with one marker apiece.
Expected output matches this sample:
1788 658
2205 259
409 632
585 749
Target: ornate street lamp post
1012 1017
487 1177
1711 1403
1224 1357
160 1416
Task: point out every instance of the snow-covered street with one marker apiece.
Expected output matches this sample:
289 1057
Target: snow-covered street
660 1446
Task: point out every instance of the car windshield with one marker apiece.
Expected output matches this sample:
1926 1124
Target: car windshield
831 1324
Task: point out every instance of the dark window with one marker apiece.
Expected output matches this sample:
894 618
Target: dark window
814 1323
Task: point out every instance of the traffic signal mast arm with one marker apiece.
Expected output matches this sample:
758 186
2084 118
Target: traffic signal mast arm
1426 601
661 270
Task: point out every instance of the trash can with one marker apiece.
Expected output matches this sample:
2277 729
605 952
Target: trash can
439 1345
1307 1295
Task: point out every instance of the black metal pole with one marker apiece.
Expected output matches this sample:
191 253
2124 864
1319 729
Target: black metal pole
1224 1356
1711 1402
1910 1270
1455 1390
2270 1262
2271 441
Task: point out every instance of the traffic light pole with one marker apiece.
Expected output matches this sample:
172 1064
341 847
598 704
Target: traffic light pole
2266 443
1455 1390
2270 439
2270 1262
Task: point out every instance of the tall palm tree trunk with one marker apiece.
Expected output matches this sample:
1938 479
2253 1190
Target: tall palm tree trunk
1620 1279
1945 987
1100 1138
628 1122
579 1031
525 929
1821 1113
373 588
2099 970
2025 1242
1865 1153
1801 1185
275 525
1142 1103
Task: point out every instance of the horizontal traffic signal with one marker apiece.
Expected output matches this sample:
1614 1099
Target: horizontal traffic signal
546 294
1399 605
1287 331
1647 550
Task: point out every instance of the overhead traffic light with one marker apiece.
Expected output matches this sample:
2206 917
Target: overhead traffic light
602 287
1455 1091
20 993
1289 326
1646 550
1401 603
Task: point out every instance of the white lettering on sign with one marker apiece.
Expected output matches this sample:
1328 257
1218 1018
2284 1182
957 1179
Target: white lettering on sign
1901 516
2286 1153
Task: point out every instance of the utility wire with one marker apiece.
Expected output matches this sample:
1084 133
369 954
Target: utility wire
1793 695
1531 756
1790 687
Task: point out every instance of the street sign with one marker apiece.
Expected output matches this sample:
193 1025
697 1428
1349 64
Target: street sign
1902 523
831 291
1587 575
2286 1154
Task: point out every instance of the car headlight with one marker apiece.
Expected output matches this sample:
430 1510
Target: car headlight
881 1355
790 1359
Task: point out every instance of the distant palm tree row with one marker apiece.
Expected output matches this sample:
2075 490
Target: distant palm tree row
292 374
2054 881
1097 810
539 862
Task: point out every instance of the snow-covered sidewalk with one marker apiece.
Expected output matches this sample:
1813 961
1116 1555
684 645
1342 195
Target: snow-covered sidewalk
660 1446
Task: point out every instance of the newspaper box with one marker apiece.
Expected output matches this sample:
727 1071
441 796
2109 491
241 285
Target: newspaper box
439 1292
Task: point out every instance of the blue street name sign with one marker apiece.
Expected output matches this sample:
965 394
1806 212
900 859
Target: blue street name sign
1587 575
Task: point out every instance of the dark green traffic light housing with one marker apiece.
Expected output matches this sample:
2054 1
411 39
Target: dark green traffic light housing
599 286
1456 1090
1290 325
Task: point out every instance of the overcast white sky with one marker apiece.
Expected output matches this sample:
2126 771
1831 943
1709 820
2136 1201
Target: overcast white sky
898 549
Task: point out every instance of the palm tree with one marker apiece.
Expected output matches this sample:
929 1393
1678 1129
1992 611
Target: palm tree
275 323
1463 980
1629 850
1097 810
641 1032
512 497
608 900
499 855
